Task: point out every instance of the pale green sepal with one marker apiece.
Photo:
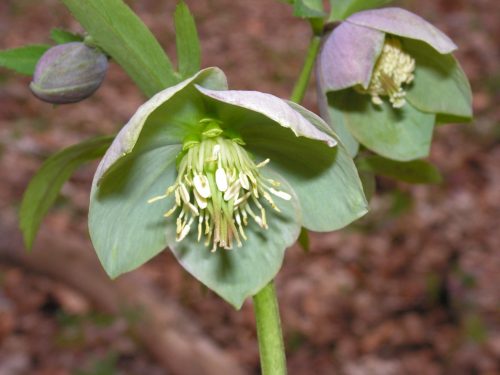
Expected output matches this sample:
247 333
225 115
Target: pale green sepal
440 85
414 172
128 136
403 23
242 272
336 120
273 108
348 56
327 184
400 134
125 230
314 119
324 178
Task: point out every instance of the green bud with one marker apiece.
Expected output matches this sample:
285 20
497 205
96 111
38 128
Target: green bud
68 73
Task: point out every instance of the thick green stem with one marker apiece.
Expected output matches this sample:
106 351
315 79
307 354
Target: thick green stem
302 82
271 347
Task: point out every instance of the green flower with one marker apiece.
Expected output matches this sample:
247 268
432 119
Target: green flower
223 178
386 76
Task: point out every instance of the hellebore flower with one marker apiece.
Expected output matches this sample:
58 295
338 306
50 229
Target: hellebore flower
385 77
203 170
68 73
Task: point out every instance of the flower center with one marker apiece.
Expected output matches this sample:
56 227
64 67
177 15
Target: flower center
218 188
393 69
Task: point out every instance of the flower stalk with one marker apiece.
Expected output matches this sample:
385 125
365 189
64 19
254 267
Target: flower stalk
266 307
271 347
300 87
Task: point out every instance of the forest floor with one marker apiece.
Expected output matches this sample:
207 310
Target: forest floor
412 288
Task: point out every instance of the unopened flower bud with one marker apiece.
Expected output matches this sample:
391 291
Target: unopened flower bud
68 73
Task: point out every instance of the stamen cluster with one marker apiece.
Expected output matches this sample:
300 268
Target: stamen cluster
218 187
393 69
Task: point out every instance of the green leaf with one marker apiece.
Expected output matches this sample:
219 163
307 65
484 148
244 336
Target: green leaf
341 9
187 41
121 34
415 172
400 134
308 9
23 59
440 85
61 36
243 272
46 184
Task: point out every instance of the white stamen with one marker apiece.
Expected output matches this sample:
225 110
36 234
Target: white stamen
184 192
262 163
281 194
221 179
184 232
200 201
394 68
232 191
215 152
170 212
201 184
158 198
200 226
244 181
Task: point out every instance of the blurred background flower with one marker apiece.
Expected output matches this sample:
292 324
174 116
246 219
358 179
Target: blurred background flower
404 64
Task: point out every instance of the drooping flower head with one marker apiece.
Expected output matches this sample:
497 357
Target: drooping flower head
204 170
385 77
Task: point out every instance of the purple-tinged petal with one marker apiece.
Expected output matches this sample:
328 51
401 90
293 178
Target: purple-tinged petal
126 139
400 22
348 56
273 108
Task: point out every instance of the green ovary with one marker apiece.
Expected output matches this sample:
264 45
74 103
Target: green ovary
394 68
219 190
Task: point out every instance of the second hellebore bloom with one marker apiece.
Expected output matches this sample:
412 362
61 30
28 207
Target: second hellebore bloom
204 170
386 76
